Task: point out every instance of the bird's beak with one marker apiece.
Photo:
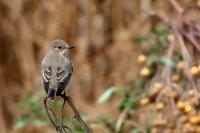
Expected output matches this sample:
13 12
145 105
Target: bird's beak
70 47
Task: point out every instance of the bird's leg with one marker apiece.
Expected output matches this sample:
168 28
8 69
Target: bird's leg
47 111
77 115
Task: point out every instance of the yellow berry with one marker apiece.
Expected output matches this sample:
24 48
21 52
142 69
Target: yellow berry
156 89
173 94
194 120
160 106
171 37
158 86
176 78
188 108
144 101
180 105
142 59
180 65
194 71
145 72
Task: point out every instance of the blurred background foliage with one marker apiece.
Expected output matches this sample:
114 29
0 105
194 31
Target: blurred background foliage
136 65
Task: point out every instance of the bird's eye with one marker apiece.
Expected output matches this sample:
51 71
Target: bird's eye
59 47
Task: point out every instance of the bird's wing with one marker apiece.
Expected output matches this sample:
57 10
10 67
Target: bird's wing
46 75
64 76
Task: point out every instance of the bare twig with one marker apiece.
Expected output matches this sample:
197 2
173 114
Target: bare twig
177 7
121 120
47 110
187 58
76 113
62 112
54 120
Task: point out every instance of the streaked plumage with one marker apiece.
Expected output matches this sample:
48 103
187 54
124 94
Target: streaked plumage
57 69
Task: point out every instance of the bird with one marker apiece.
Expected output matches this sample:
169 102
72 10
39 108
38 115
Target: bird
57 69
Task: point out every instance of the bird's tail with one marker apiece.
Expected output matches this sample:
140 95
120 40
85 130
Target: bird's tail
52 93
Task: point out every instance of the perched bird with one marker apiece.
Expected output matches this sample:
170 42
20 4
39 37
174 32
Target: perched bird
57 69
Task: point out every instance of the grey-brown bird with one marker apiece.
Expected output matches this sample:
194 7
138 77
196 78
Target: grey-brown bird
57 69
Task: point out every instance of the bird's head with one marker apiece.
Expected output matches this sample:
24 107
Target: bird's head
61 46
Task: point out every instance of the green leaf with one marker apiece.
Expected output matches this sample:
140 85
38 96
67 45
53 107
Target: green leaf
131 103
79 130
155 49
163 60
122 91
85 117
31 102
166 61
39 123
104 118
153 59
149 126
21 122
136 130
160 32
139 83
106 95
123 104
141 39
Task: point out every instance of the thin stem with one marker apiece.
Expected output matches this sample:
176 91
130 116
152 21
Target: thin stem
177 6
47 110
63 112
55 122
77 115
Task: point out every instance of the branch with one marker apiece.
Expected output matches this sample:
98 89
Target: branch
54 120
76 113
177 7
60 128
120 121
